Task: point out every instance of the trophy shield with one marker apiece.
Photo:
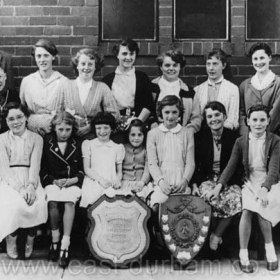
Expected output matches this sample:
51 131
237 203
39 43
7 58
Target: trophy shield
184 223
118 233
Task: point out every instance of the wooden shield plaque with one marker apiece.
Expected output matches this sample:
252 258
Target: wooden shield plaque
184 222
118 234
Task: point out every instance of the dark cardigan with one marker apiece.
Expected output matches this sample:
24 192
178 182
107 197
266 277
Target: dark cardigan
54 165
204 155
143 93
240 155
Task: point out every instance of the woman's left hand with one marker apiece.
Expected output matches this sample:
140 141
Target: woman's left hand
82 131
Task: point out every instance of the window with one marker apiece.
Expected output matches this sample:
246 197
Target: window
263 21
136 19
201 19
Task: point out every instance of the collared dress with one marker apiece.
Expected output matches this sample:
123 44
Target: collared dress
170 157
103 159
43 98
57 164
19 166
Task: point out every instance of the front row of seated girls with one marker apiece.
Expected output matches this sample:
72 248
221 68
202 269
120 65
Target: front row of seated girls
112 168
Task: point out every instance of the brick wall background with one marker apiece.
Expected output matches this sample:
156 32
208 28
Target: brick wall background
73 24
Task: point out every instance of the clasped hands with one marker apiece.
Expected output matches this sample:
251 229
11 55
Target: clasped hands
182 187
29 194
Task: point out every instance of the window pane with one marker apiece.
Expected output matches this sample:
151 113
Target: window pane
201 19
263 21
128 19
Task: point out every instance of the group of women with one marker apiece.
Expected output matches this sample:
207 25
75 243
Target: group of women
192 147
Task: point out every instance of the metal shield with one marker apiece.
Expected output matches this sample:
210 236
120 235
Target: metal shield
184 223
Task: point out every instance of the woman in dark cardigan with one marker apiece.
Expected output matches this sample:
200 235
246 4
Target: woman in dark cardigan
131 88
213 146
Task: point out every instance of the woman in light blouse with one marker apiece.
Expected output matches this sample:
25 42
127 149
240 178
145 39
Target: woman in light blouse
40 91
84 97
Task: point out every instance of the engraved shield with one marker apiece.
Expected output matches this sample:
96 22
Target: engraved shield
184 222
118 234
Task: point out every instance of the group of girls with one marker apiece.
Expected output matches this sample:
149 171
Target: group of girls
83 157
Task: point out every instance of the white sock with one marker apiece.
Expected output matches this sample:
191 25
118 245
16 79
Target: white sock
65 242
55 237
270 252
244 256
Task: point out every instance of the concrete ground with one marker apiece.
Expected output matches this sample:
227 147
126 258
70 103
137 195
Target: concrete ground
82 267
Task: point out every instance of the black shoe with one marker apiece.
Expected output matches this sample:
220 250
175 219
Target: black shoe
54 253
272 266
63 259
246 268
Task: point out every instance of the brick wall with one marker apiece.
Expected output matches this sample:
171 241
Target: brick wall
73 24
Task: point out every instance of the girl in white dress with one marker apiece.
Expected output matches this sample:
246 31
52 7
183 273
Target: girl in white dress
102 161
259 152
170 149
22 198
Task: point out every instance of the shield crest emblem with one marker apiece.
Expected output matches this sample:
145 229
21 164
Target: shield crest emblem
184 223
118 234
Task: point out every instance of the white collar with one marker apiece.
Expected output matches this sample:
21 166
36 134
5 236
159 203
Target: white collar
174 130
23 136
211 83
267 80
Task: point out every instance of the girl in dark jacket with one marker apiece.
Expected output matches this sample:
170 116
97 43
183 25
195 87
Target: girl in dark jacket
62 176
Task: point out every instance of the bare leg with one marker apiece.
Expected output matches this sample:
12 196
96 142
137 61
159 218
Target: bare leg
68 218
245 227
266 229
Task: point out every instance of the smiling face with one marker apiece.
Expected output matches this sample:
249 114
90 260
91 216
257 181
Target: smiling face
258 122
16 121
86 67
126 58
63 131
103 132
170 69
215 120
3 78
43 59
136 136
214 68
260 61
170 116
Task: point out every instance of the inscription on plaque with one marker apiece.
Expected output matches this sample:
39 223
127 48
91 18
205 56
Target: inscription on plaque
119 232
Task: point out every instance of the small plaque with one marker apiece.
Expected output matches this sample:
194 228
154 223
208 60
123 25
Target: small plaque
119 232
184 222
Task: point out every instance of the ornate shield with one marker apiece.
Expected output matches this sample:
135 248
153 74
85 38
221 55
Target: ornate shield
118 234
184 222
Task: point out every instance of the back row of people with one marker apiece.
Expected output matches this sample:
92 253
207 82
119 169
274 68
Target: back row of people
128 92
